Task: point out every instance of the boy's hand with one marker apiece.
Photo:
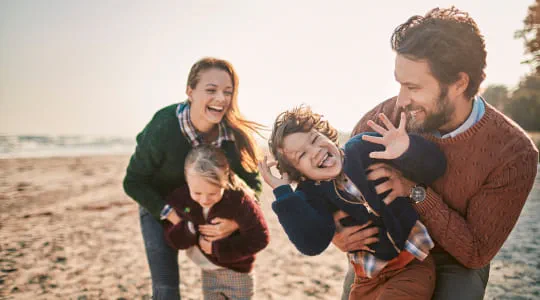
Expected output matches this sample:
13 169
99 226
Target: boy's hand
206 246
394 139
273 181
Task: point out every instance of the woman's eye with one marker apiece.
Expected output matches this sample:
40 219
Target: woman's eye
315 139
228 93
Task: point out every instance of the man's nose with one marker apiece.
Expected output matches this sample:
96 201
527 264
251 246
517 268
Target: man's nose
403 97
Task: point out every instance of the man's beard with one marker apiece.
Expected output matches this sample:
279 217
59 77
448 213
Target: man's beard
432 120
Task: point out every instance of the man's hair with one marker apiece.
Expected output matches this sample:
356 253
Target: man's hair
298 119
449 40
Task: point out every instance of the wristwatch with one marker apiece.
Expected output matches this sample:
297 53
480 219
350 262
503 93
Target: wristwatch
165 212
418 193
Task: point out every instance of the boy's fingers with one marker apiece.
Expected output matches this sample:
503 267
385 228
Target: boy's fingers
386 122
402 121
379 155
373 139
376 127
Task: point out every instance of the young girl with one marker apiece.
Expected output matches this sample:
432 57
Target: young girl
214 191
331 180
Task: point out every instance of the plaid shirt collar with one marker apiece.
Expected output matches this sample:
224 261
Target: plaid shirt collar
194 136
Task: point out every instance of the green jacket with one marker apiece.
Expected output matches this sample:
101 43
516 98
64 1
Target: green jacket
157 166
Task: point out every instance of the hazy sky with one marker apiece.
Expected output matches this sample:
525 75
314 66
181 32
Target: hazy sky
105 67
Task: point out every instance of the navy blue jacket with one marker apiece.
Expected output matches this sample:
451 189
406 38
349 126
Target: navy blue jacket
306 214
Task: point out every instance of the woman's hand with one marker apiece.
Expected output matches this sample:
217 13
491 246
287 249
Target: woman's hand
218 229
269 178
394 139
206 245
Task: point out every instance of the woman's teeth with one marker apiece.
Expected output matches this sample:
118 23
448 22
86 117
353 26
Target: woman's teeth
216 108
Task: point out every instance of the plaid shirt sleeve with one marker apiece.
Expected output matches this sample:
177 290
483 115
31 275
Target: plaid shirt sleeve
418 244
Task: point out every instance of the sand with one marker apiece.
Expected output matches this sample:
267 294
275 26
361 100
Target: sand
68 231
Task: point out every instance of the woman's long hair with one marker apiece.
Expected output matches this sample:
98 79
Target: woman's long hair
242 128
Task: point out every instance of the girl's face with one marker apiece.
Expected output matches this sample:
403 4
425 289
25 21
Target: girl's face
202 190
313 154
210 99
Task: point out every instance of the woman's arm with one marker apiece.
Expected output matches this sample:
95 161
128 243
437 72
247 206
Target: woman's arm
143 164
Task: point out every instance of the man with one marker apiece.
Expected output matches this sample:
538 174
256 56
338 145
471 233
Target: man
471 210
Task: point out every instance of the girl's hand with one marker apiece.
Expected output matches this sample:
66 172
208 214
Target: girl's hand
206 246
394 139
173 217
269 178
218 229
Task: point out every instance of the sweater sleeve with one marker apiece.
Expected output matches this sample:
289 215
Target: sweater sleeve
179 236
307 222
252 236
474 239
143 164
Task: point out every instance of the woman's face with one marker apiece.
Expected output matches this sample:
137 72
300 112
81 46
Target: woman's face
210 99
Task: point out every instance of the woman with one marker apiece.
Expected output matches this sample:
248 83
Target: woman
209 116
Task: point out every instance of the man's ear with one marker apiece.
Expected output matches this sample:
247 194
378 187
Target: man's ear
459 87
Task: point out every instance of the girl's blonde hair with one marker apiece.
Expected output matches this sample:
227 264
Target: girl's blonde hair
211 163
242 128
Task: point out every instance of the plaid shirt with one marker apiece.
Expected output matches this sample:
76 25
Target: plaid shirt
418 244
195 137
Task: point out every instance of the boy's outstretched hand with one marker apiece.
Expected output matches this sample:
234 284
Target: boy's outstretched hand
273 181
394 139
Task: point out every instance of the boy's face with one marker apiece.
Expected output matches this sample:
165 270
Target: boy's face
313 155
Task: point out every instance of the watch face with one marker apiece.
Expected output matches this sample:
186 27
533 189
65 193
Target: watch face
418 194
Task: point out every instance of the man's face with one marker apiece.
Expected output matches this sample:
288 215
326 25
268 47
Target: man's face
423 99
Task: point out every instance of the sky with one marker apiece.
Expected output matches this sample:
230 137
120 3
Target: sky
105 67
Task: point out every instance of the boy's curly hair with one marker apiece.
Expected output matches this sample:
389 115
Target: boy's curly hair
298 119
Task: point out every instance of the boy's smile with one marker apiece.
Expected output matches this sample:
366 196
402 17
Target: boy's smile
313 155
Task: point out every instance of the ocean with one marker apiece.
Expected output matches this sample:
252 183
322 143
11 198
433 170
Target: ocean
25 146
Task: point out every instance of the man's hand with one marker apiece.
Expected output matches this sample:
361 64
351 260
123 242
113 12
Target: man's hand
395 140
206 246
273 181
218 229
355 237
400 186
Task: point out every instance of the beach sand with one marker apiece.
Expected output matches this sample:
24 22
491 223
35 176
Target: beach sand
68 231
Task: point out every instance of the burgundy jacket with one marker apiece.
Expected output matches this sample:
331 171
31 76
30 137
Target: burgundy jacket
235 252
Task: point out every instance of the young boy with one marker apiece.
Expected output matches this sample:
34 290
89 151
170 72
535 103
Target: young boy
330 179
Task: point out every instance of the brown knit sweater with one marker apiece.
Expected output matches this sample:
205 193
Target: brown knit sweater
471 210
